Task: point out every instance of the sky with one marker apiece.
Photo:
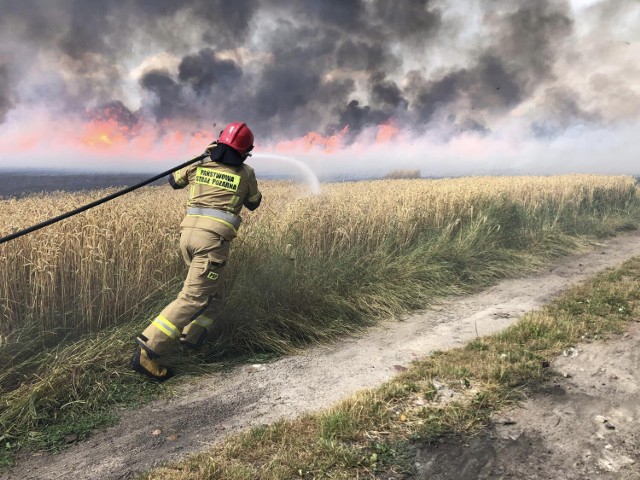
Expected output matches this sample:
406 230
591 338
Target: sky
349 87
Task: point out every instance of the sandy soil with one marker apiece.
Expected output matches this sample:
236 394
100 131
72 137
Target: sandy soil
562 422
585 426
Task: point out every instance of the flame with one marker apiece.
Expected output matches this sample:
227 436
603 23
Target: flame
331 144
96 137
387 132
112 136
105 133
115 134
104 138
314 141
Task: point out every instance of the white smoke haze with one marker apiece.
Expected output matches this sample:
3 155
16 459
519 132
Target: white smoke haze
353 88
578 151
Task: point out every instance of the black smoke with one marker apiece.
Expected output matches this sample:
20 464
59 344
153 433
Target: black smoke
289 67
204 71
358 117
293 93
415 20
564 106
520 58
128 121
165 98
6 101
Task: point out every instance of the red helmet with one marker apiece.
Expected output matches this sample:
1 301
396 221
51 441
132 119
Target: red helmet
238 136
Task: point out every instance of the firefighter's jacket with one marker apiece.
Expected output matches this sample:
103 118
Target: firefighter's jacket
217 193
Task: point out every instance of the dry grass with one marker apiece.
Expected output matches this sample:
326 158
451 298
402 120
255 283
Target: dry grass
397 174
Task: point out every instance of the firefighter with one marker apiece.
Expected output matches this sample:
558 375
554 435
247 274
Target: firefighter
218 189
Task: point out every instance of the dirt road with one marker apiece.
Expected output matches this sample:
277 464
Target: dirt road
211 408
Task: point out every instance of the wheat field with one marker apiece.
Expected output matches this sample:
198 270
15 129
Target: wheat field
304 269
108 265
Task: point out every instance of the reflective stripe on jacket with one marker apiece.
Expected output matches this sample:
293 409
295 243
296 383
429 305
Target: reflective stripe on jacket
217 193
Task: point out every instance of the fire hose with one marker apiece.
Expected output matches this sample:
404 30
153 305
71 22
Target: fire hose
100 201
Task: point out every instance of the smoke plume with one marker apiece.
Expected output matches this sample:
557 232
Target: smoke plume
345 69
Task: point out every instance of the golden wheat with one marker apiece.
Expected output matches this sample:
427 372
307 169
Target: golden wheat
99 268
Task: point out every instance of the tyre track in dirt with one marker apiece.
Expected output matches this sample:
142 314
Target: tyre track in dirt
213 407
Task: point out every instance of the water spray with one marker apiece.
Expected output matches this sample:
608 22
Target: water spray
310 177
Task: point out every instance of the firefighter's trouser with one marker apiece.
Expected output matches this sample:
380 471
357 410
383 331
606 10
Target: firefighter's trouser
191 315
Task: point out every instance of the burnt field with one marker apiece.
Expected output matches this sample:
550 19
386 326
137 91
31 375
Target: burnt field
20 184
